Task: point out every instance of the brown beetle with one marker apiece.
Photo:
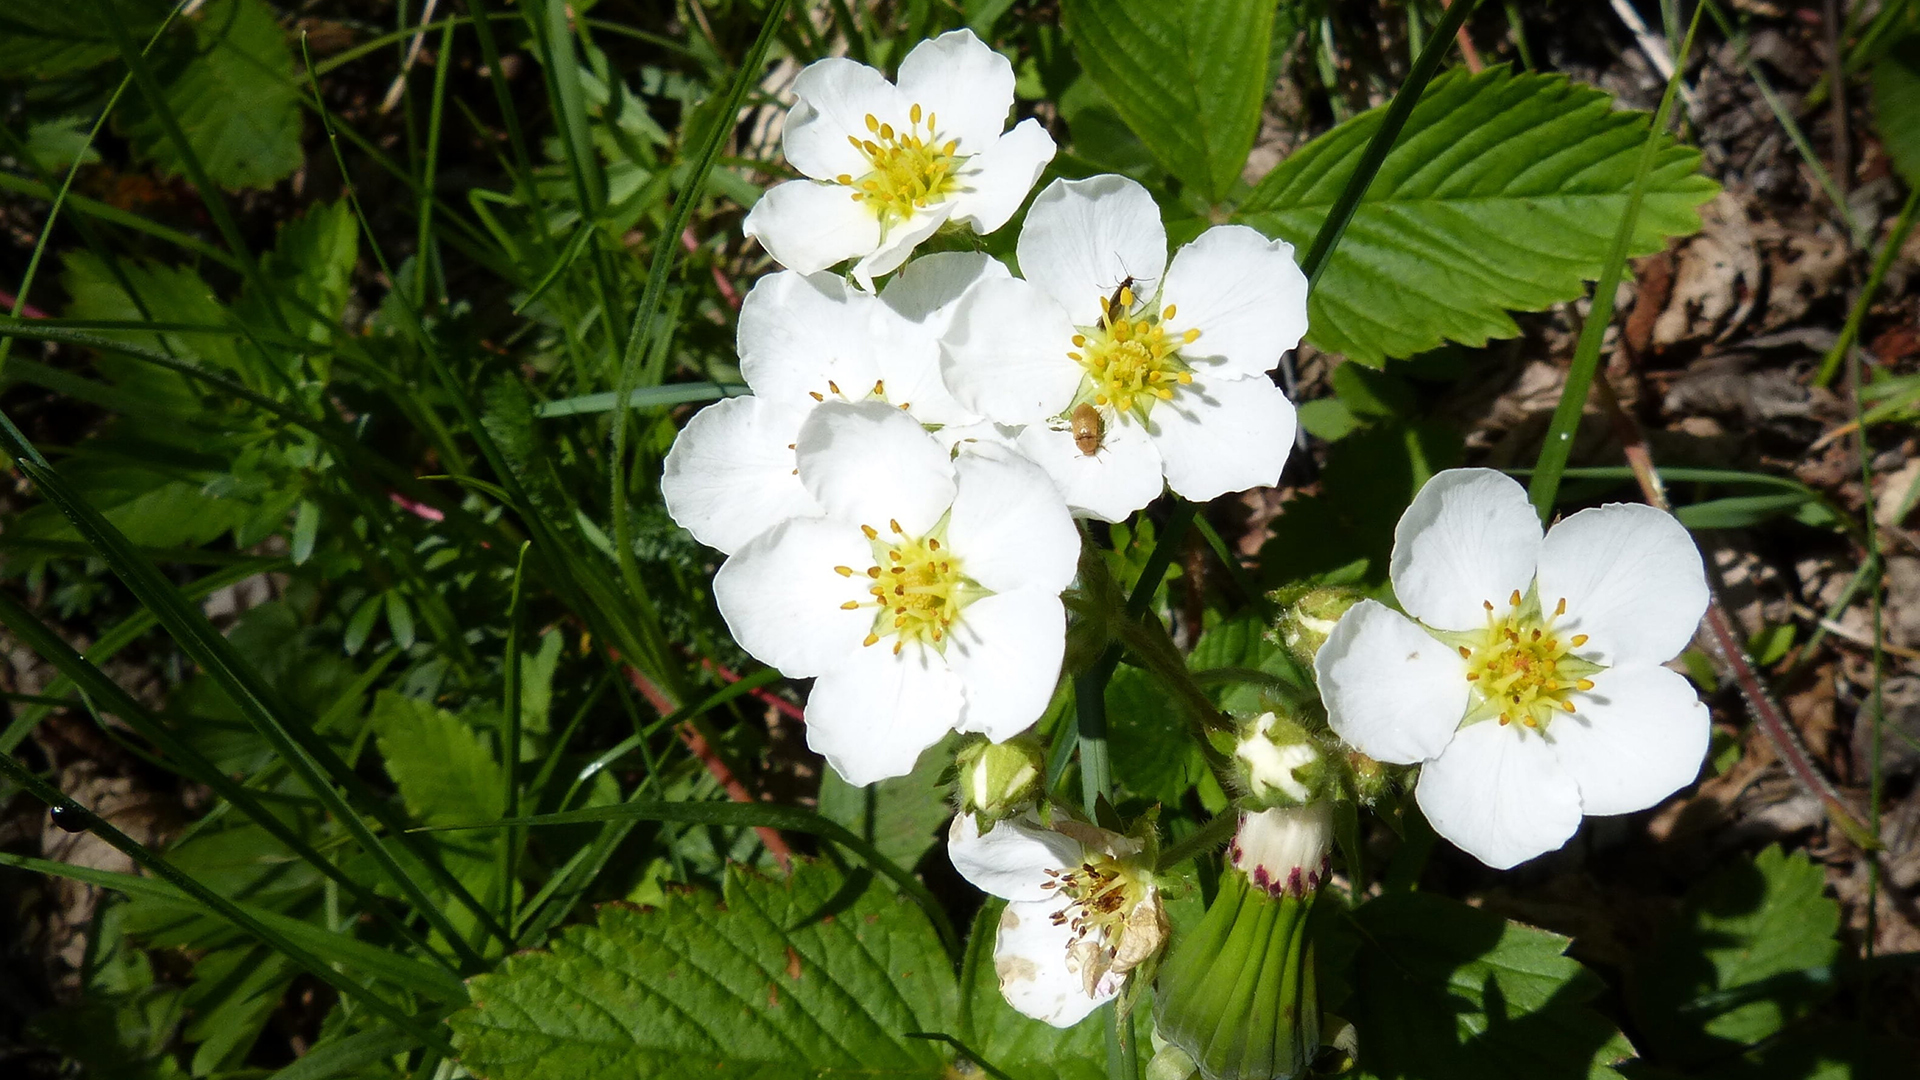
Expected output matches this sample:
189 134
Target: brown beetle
1114 310
1088 429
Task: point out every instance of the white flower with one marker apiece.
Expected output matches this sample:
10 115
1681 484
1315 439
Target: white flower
1082 911
922 598
888 165
1125 369
803 340
1531 685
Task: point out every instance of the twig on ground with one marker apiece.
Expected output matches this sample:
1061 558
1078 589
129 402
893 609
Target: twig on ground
1725 638
413 54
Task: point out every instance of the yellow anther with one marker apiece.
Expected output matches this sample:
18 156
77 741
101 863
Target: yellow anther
872 639
872 533
1583 684
932 544
1079 342
1190 337
894 525
1514 600
851 605
843 571
1561 607
834 386
873 122
880 387
1167 314
816 396
1579 640
914 113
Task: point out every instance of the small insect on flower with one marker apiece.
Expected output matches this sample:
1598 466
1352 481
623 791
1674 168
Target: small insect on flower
1088 429
1122 299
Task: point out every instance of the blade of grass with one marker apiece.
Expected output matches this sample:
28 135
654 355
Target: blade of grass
666 247
107 695
378 961
1889 251
1552 462
510 748
220 905
649 397
210 194
745 815
316 763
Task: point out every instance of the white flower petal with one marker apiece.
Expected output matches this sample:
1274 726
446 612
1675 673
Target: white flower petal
781 596
873 716
1009 524
957 437
730 475
1217 435
1030 956
1391 689
908 355
801 332
869 463
965 85
1006 353
808 226
996 182
927 291
1083 237
1006 648
834 98
1632 579
1011 859
1470 537
1120 477
1499 794
898 240
1638 736
1244 294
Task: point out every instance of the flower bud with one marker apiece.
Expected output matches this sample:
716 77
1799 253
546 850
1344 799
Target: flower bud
1307 616
1285 851
995 781
1238 994
1371 780
1277 762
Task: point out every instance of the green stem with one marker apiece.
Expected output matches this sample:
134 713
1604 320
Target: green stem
1552 462
1849 333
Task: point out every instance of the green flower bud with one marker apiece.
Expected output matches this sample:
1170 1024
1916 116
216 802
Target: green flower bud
1372 780
1238 994
1307 616
995 781
1277 762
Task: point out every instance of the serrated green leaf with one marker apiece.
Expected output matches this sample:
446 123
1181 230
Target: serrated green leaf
1502 194
46 39
814 975
1153 757
1896 105
1748 921
445 771
1188 78
234 98
310 271
1443 991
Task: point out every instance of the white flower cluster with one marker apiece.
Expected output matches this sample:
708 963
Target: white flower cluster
896 497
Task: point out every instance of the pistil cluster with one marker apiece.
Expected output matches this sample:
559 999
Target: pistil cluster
1114 916
1523 671
918 588
910 168
1132 362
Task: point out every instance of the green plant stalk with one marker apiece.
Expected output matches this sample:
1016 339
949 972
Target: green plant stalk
1850 331
1375 155
105 694
424 252
1552 462
1801 144
166 871
1876 710
666 247
510 745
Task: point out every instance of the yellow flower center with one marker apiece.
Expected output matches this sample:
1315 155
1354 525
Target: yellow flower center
1115 914
909 168
918 588
1522 671
1131 362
